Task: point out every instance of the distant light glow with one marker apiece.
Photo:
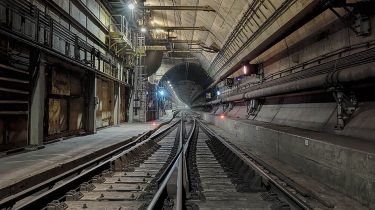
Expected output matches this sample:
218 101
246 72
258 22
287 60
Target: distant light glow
222 117
218 93
244 69
154 123
143 29
161 92
131 6
169 82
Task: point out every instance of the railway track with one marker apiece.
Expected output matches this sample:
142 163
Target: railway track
220 187
84 181
186 166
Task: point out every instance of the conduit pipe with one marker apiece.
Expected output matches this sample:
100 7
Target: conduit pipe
341 77
349 75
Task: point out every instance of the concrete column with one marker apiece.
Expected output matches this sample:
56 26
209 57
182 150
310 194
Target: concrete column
37 104
92 104
131 107
116 110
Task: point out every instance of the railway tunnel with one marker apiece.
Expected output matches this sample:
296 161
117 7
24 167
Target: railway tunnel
187 104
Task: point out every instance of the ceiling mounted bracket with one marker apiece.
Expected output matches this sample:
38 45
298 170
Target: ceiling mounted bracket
358 13
205 8
347 104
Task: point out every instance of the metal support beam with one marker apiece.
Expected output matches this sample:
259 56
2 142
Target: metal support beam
116 111
173 28
92 102
180 58
184 51
178 41
205 8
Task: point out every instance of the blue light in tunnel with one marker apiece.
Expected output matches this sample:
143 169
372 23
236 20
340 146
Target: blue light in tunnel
131 6
161 92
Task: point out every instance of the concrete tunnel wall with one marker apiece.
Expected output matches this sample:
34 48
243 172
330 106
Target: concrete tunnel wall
347 170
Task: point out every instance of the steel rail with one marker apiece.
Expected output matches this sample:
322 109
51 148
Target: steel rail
261 171
100 162
167 174
180 186
179 164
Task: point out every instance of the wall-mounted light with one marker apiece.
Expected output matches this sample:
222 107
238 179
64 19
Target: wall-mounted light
249 69
131 6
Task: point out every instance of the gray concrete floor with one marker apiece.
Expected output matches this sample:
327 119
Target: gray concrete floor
338 199
18 167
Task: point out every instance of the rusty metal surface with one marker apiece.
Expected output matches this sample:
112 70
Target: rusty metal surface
104 112
54 109
76 114
60 83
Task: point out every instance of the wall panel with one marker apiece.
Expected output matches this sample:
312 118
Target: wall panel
122 104
65 103
54 110
76 114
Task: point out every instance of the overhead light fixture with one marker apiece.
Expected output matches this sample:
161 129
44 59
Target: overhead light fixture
131 6
169 82
158 30
143 29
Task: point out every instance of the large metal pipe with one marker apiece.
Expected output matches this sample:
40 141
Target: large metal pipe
344 76
290 87
217 101
349 75
237 97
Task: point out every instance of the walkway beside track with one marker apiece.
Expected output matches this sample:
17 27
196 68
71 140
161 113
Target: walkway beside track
19 171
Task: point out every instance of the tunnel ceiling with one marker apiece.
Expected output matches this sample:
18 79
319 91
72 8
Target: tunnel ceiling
187 79
219 23
236 32
239 30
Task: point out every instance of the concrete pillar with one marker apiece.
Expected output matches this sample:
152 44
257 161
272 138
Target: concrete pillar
131 107
116 110
92 104
37 104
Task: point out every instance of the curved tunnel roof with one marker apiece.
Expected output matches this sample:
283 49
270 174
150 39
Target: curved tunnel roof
187 71
188 80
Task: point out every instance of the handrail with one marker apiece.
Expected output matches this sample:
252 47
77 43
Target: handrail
44 22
